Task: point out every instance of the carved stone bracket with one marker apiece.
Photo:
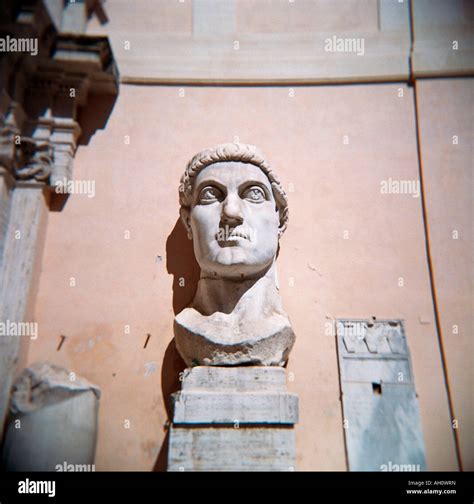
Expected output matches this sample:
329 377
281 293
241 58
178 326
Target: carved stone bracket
42 94
36 159
45 158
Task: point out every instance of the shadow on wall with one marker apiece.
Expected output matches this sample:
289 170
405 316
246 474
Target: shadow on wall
95 115
92 117
171 368
182 264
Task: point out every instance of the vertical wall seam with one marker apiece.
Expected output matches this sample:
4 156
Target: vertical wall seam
444 365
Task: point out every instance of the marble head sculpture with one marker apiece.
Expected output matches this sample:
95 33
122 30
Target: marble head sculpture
234 210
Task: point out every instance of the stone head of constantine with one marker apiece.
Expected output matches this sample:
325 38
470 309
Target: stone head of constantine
234 209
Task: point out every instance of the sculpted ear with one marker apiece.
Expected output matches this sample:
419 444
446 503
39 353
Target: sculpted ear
185 215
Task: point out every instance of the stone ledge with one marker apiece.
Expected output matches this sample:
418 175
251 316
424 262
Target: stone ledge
235 408
248 379
260 59
227 395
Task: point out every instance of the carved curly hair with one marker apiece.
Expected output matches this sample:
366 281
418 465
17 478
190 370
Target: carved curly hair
233 152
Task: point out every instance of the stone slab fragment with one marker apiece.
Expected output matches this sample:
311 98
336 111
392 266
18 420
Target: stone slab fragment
53 421
58 434
379 398
231 449
384 429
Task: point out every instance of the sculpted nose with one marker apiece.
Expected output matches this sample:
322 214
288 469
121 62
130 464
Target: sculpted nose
232 211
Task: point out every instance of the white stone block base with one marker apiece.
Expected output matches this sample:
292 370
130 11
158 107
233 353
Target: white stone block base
233 419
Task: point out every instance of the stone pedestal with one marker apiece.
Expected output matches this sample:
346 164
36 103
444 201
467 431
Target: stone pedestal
233 419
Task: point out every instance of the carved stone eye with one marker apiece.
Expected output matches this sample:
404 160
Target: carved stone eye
255 194
209 194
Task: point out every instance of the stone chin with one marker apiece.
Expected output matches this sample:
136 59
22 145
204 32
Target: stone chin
235 259
232 263
231 256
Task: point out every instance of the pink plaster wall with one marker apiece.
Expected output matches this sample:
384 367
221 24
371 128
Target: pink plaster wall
333 188
445 107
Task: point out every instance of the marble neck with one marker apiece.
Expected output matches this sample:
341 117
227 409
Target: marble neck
258 295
